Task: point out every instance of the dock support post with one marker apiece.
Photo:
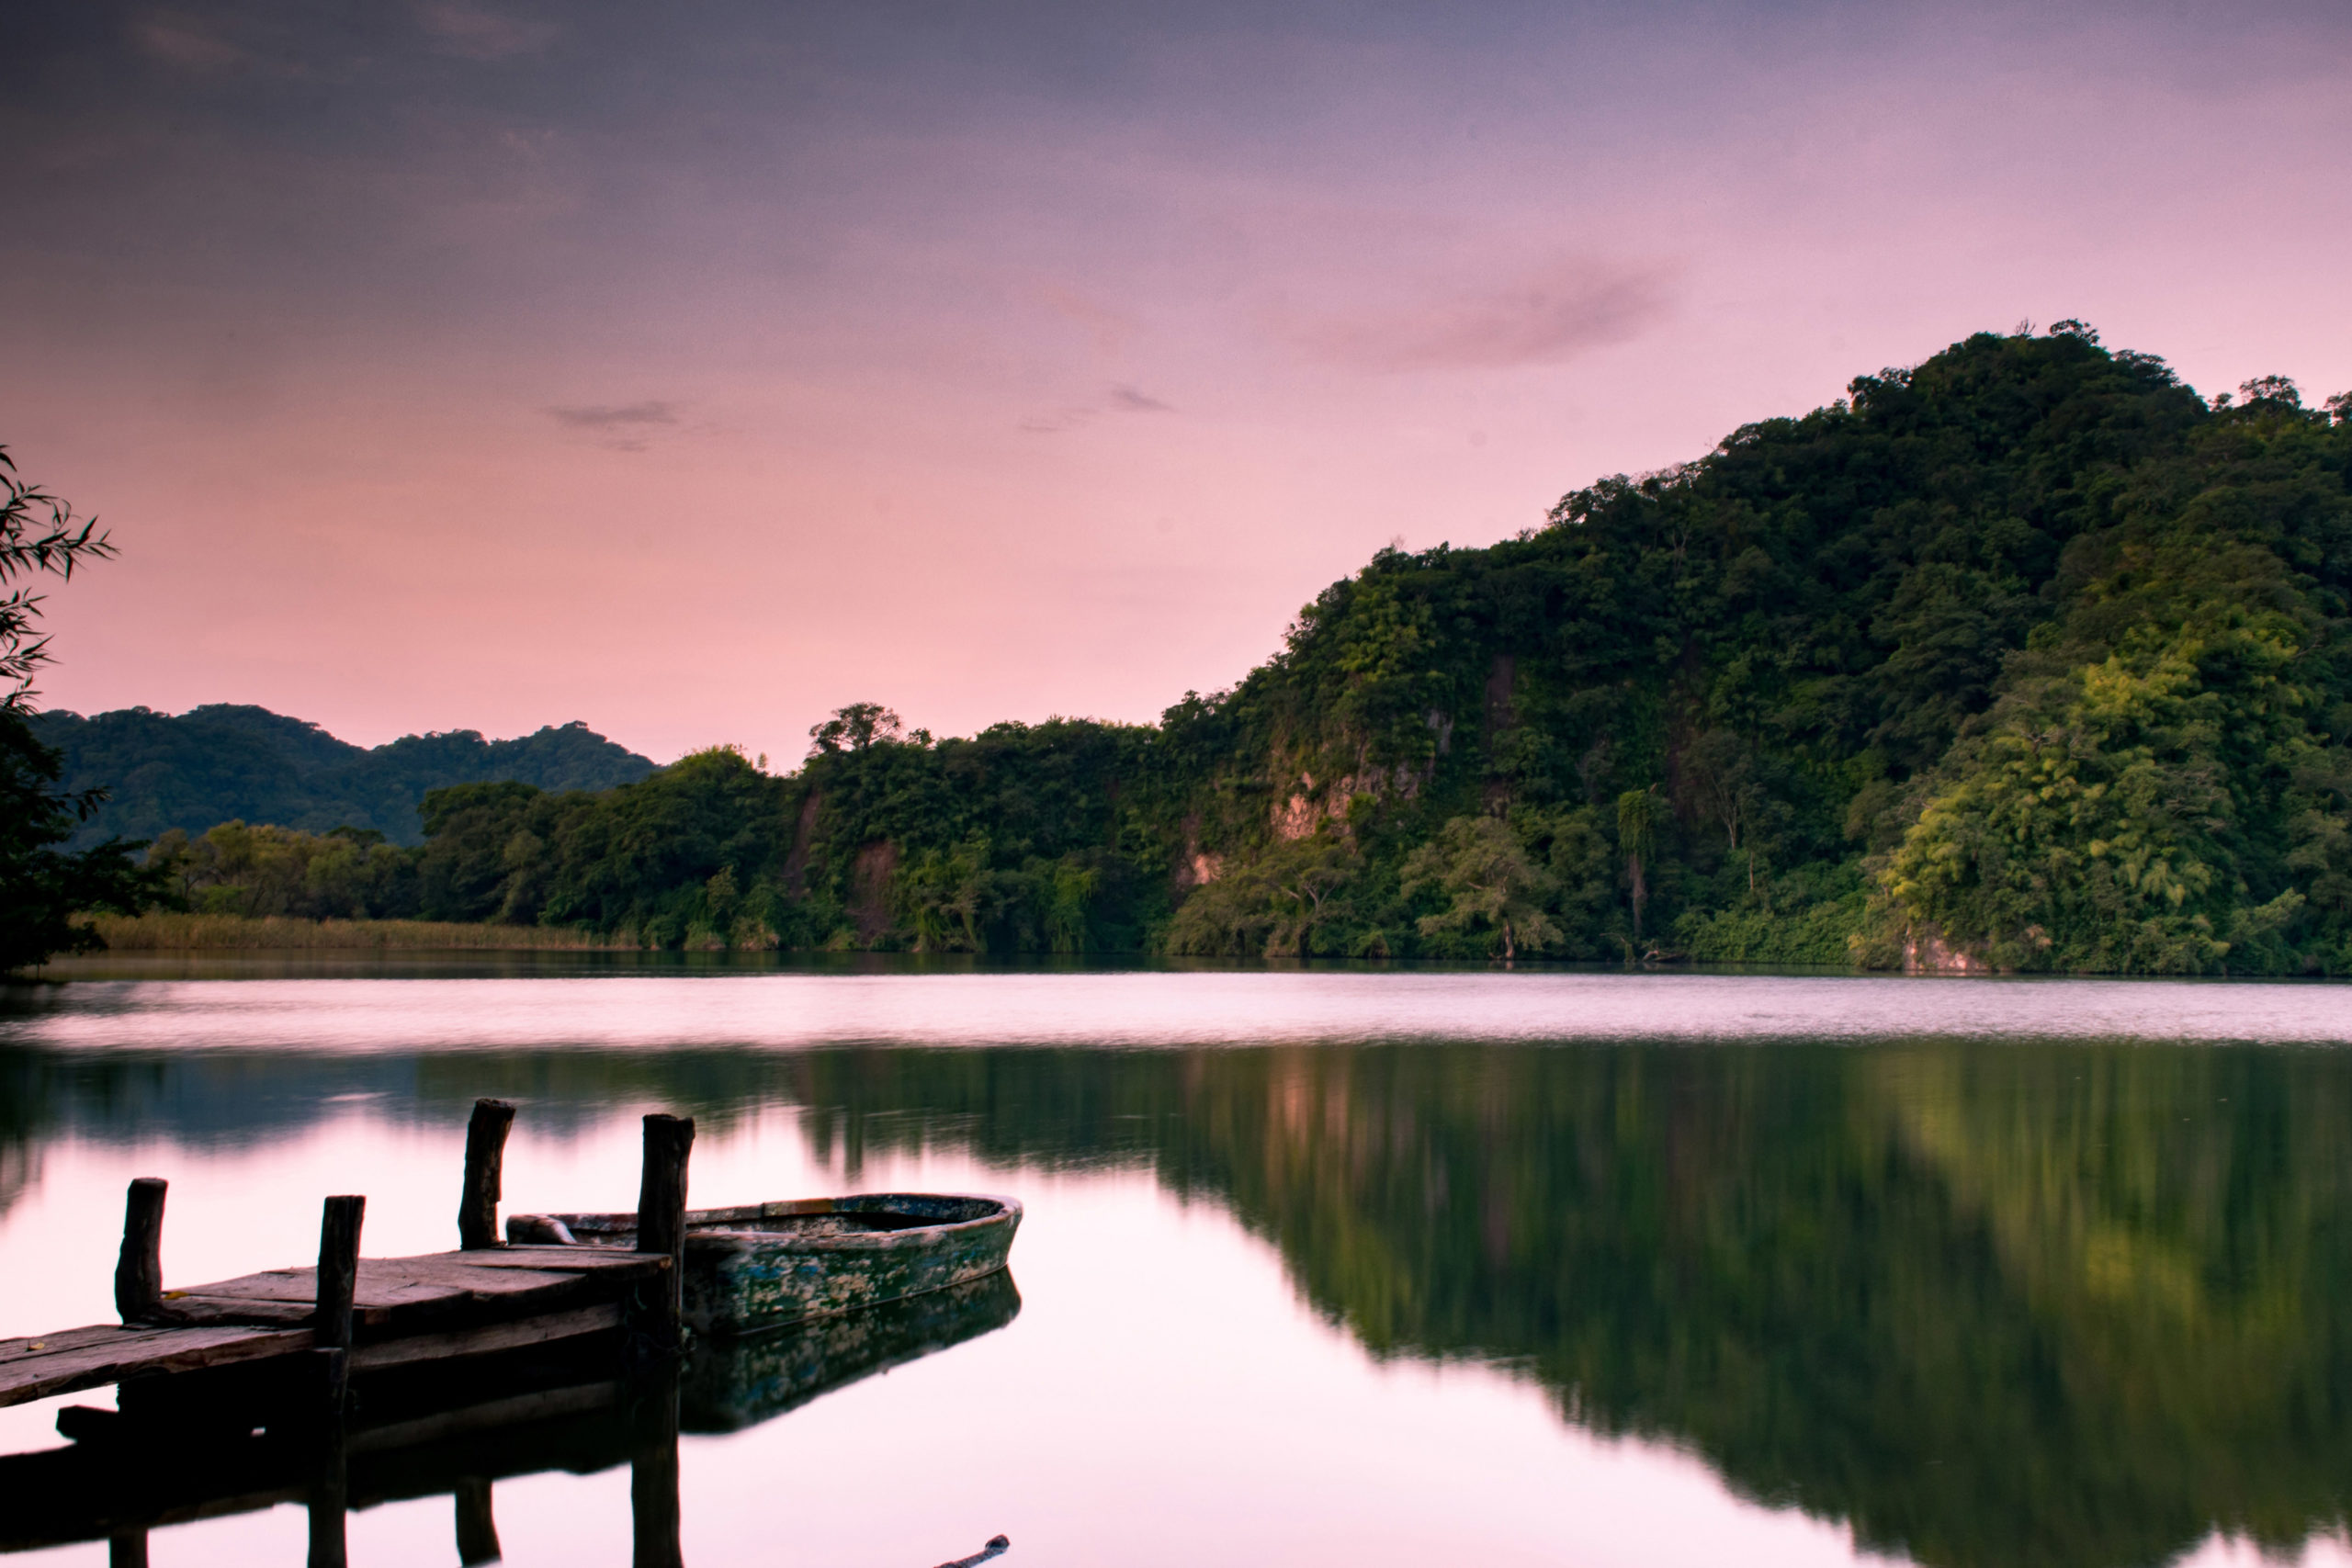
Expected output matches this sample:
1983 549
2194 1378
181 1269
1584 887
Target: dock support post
485 1161
477 1525
653 1468
338 1285
330 1500
127 1549
662 1218
138 1276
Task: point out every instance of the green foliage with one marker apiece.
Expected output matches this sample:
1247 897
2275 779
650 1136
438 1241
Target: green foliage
1478 867
1277 904
350 873
45 889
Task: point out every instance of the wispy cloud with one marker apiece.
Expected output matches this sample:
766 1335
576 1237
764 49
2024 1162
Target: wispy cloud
620 427
188 42
1118 399
473 33
1551 314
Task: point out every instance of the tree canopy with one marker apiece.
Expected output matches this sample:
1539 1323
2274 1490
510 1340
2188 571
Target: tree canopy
2023 657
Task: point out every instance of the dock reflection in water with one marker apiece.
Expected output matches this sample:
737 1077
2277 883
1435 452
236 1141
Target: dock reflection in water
205 1445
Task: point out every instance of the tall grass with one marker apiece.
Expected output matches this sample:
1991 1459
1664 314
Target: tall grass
162 931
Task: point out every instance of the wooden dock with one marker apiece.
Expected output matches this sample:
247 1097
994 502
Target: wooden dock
349 1314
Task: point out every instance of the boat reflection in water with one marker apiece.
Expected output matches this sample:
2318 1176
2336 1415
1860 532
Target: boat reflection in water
730 1384
207 1444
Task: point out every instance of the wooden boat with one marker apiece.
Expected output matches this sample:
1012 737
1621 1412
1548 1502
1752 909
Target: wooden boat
762 1266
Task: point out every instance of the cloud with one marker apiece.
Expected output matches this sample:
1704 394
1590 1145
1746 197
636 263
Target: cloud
472 33
622 428
1118 399
612 416
186 42
1549 315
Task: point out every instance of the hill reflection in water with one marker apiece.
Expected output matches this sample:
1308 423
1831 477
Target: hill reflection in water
2024 1302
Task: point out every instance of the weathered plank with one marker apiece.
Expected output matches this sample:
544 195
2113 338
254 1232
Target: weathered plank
509 1335
591 1260
399 1295
77 1359
408 1309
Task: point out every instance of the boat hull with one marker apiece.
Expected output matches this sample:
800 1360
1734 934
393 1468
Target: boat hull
763 1266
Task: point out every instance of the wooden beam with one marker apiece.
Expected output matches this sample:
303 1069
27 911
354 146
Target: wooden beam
75 1358
139 1275
487 1338
485 1164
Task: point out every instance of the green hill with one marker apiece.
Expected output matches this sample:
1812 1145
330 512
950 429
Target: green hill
224 761
2027 657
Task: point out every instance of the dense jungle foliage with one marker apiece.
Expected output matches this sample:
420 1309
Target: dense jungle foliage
2025 658
228 761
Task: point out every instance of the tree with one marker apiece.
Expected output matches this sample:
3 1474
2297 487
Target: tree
853 729
42 888
1636 837
1478 863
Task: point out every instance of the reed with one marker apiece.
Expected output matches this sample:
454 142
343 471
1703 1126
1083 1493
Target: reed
163 931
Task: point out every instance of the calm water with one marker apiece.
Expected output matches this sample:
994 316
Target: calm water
1329 1267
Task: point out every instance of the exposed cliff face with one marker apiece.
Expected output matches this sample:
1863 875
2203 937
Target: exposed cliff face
870 877
1925 951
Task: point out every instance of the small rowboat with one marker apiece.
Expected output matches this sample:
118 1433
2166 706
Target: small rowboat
762 1266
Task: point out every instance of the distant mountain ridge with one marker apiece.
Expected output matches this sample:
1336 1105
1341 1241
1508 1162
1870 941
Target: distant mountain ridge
194 769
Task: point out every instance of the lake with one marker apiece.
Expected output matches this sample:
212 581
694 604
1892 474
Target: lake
1323 1267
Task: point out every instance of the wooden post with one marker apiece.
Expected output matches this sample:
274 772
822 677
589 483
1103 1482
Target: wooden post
330 1500
654 1466
338 1285
477 1527
485 1161
139 1277
661 1216
127 1549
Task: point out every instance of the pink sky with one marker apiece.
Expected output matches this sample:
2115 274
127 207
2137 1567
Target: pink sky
474 367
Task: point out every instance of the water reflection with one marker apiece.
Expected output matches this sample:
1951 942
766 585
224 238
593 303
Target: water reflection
2023 1303
236 1440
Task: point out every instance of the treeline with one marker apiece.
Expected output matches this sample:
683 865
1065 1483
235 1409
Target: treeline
225 762
2024 657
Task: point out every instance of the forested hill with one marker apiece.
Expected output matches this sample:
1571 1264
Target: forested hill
2027 657
222 762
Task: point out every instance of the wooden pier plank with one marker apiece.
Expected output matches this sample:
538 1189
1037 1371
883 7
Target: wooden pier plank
102 1353
411 1309
510 1335
403 1293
